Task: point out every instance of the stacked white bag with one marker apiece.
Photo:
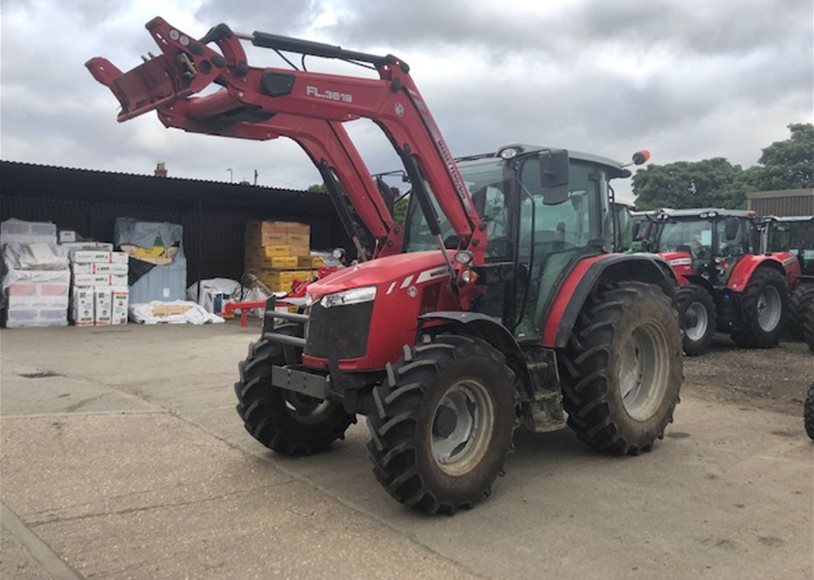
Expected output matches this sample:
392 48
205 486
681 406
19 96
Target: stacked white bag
37 277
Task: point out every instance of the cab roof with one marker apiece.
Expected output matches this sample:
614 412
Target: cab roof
705 212
615 169
790 218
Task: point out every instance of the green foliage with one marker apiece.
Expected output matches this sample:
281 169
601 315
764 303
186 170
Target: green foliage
317 188
707 183
400 210
786 164
715 182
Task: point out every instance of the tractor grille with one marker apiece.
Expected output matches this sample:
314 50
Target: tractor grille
340 331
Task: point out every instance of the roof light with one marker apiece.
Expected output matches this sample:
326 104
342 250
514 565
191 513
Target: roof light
508 152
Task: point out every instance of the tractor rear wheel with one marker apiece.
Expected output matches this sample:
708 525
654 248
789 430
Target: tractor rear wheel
808 412
696 311
443 423
807 320
622 369
765 305
283 420
800 295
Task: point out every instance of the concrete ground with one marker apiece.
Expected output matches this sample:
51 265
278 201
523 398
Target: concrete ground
122 457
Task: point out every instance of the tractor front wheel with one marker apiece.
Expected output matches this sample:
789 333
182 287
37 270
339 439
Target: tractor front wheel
765 303
283 420
696 311
443 424
622 369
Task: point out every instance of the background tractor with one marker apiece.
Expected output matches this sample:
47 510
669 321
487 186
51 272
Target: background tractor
794 234
503 308
725 282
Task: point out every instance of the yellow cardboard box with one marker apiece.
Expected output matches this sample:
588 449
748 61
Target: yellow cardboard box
283 263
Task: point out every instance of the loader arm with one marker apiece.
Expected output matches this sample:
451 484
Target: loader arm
187 66
326 143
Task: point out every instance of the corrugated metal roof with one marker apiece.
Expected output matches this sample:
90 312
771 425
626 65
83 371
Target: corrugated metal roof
139 175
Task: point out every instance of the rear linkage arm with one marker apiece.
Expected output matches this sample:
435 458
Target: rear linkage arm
187 66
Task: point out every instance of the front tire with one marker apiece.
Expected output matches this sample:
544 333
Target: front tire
282 420
443 424
622 369
765 305
696 311
808 412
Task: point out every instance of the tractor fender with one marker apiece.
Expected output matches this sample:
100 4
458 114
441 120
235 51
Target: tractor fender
491 330
700 281
784 262
586 276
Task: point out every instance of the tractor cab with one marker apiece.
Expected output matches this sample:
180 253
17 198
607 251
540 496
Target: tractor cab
794 234
714 239
534 233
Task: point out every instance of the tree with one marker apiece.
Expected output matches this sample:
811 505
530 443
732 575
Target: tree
317 188
786 164
683 184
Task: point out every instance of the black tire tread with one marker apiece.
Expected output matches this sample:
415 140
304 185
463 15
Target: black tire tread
584 377
752 336
808 412
805 314
258 401
685 295
398 400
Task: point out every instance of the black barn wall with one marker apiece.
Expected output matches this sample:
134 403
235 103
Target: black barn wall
212 214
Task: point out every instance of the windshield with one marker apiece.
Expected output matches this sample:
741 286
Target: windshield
791 236
485 181
692 236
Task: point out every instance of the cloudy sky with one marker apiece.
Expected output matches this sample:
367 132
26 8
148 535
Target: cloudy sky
688 79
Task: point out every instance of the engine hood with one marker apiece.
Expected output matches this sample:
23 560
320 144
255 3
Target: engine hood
406 269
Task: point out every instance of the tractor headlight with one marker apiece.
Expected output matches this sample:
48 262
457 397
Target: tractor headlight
352 296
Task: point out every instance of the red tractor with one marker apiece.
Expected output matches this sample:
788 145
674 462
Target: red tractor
795 234
502 308
725 282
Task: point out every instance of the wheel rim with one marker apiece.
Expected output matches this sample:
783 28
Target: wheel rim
769 308
462 425
698 314
305 409
644 371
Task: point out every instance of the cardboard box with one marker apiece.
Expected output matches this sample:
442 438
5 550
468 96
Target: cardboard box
170 309
317 261
82 307
277 233
101 306
100 257
100 268
66 236
284 263
299 240
119 300
303 262
99 280
300 251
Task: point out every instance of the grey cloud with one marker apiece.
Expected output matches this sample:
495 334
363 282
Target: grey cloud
279 16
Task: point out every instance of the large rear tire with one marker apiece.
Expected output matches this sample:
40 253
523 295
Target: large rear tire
765 307
802 294
622 369
696 311
807 321
443 424
282 420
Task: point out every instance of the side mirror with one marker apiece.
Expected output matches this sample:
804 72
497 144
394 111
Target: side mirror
731 229
554 176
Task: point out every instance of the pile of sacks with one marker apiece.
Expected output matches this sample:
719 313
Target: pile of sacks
37 277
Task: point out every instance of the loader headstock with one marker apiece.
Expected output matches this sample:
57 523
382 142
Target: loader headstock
185 66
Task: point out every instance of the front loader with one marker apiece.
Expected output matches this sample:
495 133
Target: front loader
504 308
